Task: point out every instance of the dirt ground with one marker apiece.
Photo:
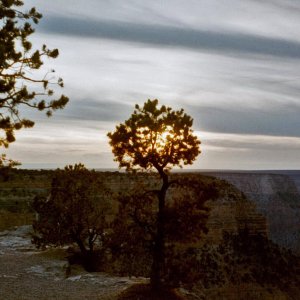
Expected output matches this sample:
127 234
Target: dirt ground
27 274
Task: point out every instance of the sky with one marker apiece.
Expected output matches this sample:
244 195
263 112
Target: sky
233 65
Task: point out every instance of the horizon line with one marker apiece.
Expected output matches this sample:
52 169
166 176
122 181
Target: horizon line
190 170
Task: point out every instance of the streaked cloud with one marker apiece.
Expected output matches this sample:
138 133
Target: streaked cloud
165 36
279 121
233 65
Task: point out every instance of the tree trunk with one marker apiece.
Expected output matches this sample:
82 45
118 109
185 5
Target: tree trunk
88 257
81 246
159 243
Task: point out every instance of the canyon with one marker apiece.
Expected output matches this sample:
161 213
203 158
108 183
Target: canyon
272 208
276 196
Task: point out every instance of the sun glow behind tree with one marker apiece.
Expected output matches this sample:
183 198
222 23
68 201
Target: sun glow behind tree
155 137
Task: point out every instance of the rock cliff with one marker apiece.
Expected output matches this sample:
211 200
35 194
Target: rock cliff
276 196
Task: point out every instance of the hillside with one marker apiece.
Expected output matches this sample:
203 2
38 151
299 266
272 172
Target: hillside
235 259
276 196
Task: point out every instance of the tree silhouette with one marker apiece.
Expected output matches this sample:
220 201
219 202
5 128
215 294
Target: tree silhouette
21 84
160 138
6 165
74 212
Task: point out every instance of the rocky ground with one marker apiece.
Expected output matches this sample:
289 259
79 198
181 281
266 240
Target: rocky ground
26 273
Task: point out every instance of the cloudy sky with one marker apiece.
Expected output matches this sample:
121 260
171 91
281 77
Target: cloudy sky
233 65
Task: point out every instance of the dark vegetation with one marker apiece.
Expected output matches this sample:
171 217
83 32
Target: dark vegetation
115 231
17 192
21 84
75 211
254 258
134 227
238 258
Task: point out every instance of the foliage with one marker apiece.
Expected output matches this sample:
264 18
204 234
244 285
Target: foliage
6 165
7 162
186 211
74 212
28 179
134 229
240 258
20 81
155 137
254 258
133 232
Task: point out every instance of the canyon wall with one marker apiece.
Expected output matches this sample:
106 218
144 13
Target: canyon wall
276 197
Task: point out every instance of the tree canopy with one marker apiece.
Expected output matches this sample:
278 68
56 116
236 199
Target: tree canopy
156 137
21 84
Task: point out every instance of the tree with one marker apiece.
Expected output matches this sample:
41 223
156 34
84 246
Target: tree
159 138
20 82
74 212
6 165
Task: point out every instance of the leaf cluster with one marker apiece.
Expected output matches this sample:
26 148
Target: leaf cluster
20 83
156 137
186 212
6 165
7 162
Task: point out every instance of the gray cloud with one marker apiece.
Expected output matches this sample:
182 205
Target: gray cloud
280 120
284 122
84 109
93 110
165 36
288 5
281 87
251 143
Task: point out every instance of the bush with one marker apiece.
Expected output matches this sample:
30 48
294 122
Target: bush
74 212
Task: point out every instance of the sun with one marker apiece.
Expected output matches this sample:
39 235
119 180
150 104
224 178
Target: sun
156 141
165 138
